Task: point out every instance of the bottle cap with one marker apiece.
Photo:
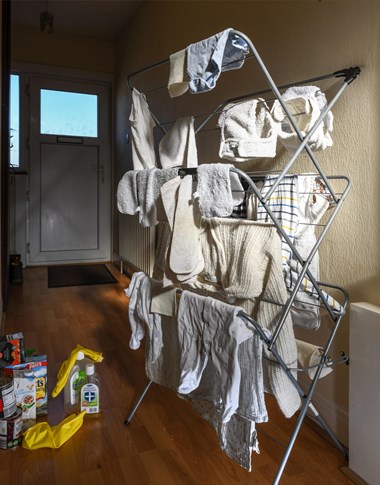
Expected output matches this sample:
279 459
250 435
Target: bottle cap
80 355
90 369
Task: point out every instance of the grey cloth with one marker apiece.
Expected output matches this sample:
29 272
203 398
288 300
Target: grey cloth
145 195
214 189
238 437
127 200
209 329
207 58
145 191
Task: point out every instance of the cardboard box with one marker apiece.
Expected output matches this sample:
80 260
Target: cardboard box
38 366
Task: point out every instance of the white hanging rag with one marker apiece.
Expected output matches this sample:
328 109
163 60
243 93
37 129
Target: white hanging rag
178 148
178 82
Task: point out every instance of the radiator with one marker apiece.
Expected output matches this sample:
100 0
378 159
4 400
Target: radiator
364 394
136 244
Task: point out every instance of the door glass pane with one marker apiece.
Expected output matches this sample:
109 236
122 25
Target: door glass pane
72 114
14 120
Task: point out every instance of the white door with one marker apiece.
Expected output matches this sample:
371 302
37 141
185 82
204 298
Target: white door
70 166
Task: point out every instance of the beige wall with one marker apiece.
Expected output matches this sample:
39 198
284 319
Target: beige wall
1 300
296 40
63 50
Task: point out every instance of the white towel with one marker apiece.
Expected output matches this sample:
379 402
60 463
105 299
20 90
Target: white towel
127 201
214 190
145 194
247 131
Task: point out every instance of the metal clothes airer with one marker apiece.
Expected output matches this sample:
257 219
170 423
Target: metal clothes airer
348 75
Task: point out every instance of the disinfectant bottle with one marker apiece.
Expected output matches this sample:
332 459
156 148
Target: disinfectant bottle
74 384
90 392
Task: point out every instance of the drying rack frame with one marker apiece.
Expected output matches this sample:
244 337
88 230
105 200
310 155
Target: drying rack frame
348 75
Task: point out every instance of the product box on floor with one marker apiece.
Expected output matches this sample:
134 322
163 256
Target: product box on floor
35 371
12 350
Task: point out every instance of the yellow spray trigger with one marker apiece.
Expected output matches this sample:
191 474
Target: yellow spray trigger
68 364
41 435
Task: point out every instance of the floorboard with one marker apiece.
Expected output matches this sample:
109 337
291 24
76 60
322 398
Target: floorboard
166 442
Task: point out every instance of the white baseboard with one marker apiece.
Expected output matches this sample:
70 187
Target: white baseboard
335 416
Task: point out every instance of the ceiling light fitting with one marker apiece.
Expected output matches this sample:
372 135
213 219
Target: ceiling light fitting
46 21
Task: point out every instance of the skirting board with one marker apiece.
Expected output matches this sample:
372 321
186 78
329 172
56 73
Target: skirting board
335 416
352 476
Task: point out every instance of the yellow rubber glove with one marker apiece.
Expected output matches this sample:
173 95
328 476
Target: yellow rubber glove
41 435
68 364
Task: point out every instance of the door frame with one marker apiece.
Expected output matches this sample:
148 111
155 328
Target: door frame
27 70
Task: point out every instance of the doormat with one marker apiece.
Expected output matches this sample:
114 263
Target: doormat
77 275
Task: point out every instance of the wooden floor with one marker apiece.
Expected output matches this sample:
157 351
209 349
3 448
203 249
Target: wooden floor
166 442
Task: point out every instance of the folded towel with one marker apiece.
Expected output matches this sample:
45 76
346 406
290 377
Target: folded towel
310 355
145 195
178 82
178 148
127 200
214 190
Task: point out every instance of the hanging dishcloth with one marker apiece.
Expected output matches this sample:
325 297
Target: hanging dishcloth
247 131
142 124
178 148
68 364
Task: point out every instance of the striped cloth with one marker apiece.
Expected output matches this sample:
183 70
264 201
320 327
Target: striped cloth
284 204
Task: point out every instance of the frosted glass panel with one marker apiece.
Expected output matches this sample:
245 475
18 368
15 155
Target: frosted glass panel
72 114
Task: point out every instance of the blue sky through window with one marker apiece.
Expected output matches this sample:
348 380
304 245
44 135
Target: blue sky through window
14 121
70 114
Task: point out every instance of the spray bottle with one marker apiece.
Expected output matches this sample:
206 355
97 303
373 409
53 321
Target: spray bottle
74 384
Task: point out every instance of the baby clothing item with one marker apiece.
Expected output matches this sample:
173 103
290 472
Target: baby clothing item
184 256
183 259
209 57
306 104
309 355
178 148
218 189
209 329
178 82
142 124
247 131
42 435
